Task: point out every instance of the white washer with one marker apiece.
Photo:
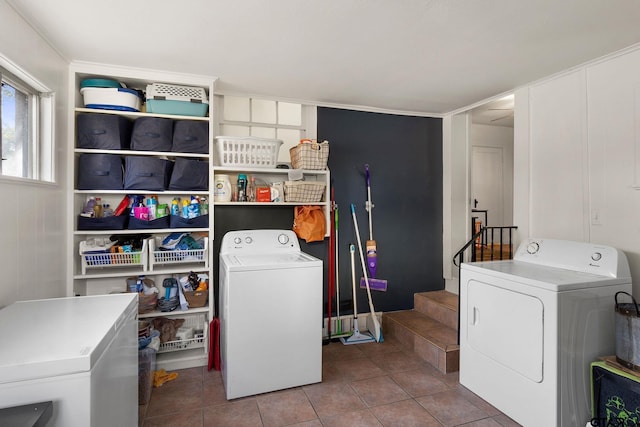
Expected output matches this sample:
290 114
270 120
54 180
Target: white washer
270 313
531 326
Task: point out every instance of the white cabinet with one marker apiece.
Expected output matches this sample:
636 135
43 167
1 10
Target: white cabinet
268 176
92 274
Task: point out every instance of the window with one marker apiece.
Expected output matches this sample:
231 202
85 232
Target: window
290 122
26 117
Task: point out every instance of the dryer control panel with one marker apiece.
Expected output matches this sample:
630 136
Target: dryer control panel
576 256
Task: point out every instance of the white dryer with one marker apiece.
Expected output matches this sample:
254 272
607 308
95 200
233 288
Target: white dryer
270 313
531 326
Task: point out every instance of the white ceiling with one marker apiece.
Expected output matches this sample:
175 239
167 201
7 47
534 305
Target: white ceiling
419 56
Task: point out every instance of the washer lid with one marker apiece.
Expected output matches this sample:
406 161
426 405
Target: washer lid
542 276
60 336
277 260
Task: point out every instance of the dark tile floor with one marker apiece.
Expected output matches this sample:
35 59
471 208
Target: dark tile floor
362 385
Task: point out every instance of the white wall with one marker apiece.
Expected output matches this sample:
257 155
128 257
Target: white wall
577 156
33 252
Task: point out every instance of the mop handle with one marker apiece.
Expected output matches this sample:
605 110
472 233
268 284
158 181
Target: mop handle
352 251
364 265
369 204
335 219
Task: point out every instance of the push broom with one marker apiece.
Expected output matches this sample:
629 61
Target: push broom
339 332
372 251
372 321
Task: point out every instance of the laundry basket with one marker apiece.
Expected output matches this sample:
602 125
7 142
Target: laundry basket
247 151
174 99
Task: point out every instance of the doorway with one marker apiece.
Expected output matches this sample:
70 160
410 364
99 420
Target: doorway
491 161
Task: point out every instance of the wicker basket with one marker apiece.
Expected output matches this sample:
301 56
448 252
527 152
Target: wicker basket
310 155
196 299
303 191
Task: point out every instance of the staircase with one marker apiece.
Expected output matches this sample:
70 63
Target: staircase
430 330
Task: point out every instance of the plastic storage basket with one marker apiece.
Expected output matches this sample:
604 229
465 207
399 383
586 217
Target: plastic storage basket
247 151
106 259
191 256
107 98
173 99
303 191
197 323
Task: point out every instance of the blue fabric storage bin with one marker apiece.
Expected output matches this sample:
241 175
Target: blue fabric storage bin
105 223
152 134
190 137
103 131
189 174
147 173
99 172
201 221
141 224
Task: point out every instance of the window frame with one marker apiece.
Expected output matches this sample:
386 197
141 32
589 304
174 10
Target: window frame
40 161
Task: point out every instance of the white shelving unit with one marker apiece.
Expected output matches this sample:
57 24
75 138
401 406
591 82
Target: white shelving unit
271 175
99 276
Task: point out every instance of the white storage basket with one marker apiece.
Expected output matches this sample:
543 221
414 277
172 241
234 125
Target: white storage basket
97 259
191 256
196 322
247 151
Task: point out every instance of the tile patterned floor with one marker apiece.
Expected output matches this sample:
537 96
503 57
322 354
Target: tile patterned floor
363 385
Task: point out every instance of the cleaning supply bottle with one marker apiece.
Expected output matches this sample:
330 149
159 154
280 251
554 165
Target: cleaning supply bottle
194 208
97 208
88 207
106 210
242 187
204 206
175 206
251 189
185 208
222 189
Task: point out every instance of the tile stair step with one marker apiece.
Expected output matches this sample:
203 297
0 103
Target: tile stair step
439 305
430 329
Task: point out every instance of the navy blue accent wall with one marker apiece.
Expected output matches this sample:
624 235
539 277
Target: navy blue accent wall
405 158
404 154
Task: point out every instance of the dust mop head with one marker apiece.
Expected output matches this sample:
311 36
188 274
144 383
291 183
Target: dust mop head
374 284
356 337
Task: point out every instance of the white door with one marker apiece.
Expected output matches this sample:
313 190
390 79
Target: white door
487 183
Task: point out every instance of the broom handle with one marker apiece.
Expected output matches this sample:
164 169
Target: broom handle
352 251
364 265
369 204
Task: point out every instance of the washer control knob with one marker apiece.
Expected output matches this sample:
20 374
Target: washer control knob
596 256
533 247
248 240
237 240
283 239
